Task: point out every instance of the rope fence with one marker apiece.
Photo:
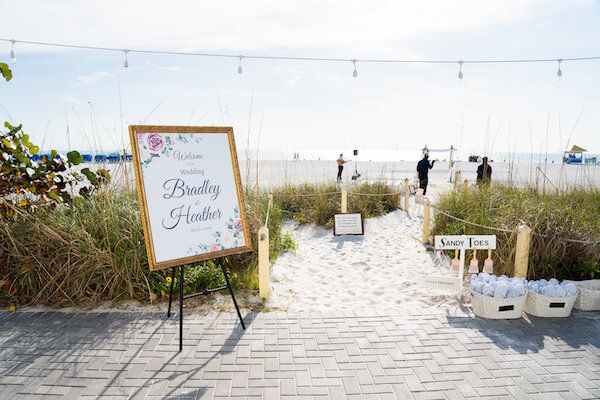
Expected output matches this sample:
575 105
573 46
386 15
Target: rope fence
375 194
305 194
514 230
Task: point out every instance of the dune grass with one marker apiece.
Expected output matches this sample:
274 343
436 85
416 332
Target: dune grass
554 217
93 250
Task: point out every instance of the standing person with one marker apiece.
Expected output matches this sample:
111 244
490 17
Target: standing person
340 163
484 172
423 168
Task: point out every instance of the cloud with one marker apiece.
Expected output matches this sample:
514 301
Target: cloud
67 98
95 77
371 28
292 82
172 68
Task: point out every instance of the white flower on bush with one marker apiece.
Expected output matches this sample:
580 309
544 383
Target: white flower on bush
30 171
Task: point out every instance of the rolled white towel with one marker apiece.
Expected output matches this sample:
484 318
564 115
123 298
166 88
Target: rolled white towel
500 291
487 290
553 281
477 286
571 289
516 291
473 277
550 291
560 292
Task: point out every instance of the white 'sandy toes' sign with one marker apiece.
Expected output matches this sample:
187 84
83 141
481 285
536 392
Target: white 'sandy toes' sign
190 192
462 243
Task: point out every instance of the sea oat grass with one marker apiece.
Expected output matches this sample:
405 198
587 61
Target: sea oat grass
93 250
554 217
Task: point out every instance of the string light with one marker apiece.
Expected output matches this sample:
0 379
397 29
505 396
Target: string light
559 72
460 74
354 61
13 57
126 63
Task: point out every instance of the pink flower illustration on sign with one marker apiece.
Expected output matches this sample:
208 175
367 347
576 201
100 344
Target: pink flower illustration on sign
214 247
155 142
238 225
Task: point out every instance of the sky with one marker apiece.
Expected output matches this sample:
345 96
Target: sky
318 109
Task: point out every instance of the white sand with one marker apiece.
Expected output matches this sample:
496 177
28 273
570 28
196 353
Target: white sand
379 270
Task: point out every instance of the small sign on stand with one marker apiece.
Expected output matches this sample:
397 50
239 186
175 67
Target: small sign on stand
191 200
462 243
348 224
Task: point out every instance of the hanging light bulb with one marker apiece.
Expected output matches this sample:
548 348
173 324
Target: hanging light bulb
559 72
126 63
240 70
355 73
460 74
13 57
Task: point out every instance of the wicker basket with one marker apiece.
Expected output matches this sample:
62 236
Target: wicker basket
546 306
493 308
589 295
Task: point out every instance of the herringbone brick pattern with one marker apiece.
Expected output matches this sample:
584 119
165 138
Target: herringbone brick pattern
313 355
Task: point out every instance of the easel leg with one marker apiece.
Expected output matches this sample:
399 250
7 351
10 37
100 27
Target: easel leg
171 291
180 309
231 292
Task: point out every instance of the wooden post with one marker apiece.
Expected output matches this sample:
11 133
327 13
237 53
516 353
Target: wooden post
344 201
456 177
426 222
406 185
522 251
465 185
406 194
264 282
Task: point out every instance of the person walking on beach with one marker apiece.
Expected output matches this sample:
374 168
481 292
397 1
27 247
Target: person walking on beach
484 172
340 163
423 168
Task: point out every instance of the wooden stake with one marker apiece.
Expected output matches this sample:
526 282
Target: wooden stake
406 194
344 201
522 251
264 282
426 210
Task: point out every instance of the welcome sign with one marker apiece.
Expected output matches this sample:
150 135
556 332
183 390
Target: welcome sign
190 192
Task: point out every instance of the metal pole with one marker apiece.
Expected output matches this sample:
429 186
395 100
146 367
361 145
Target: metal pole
181 309
231 292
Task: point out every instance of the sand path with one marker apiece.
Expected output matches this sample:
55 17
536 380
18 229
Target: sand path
376 271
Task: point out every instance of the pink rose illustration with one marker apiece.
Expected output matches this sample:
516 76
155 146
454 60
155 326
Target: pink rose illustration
155 142
237 225
140 136
214 247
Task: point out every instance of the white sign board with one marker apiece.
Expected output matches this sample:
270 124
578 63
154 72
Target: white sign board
440 282
190 193
465 242
348 224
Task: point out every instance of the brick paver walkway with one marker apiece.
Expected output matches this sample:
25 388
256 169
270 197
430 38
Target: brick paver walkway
429 355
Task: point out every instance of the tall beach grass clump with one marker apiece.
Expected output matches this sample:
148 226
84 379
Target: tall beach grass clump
560 223
92 249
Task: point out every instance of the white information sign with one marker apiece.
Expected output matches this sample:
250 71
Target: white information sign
191 200
452 242
440 282
348 224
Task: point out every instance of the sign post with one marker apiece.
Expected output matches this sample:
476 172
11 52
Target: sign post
191 200
461 242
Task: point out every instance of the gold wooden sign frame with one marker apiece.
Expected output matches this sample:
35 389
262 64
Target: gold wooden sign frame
154 265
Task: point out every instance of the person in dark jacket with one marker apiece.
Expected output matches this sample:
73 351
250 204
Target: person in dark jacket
423 168
484 172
